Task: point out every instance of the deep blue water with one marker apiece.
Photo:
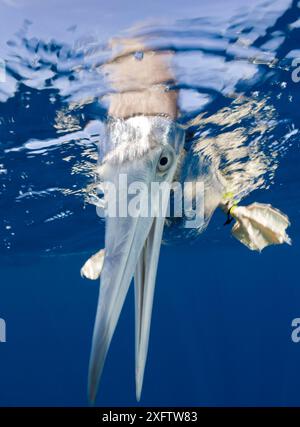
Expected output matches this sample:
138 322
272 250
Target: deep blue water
221 327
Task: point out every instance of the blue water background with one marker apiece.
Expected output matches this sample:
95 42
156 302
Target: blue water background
221 328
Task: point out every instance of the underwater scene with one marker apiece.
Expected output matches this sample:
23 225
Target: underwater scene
173 92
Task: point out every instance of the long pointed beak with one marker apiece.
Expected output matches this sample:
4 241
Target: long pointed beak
132 246
144 285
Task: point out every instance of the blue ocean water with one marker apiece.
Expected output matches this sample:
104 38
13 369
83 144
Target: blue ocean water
221 326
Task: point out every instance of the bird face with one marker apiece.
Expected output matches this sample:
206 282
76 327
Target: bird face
142 157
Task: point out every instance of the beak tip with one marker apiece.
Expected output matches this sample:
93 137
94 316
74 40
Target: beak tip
138 386
91 397
138 395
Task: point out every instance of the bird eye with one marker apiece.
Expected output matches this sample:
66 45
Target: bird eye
164 162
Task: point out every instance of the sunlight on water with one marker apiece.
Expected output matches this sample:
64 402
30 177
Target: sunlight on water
235 90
